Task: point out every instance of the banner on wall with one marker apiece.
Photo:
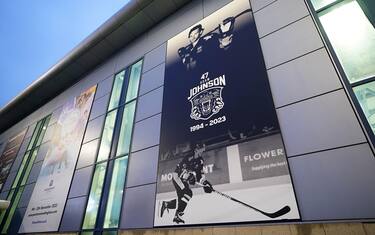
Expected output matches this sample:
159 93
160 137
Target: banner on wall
221 157
9 154
48 199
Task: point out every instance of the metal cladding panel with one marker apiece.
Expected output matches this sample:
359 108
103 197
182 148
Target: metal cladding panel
152 79
81 182
335 184
73 214
138 207
143 167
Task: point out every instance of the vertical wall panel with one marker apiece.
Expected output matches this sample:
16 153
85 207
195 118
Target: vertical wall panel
138 207
154 57
336 184
210 6
290 42
146 133
142 167
28 190
259 4
320 123
42 152
302 78
73 214
34 173
104 87
279 14
99 107
87 155
94 129
149 104
152 79
81 182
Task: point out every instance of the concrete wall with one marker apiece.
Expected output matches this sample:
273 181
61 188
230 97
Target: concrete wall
331 162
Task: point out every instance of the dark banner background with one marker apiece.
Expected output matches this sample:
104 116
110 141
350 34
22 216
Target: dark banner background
248 106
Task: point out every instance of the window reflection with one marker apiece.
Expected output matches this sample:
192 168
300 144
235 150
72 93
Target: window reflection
135 76
116 91
366 97
126 129
106 140
352 37
94 197
112 214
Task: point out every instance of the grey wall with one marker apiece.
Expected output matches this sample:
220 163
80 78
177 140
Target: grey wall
331 163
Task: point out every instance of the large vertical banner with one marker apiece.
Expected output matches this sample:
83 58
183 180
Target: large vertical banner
221 158
9 154
48 199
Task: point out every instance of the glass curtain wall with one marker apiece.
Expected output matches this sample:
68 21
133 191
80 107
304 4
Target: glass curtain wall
349 27
23 172
106 192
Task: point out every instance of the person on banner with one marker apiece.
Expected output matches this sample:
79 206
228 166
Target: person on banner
188 172
202 46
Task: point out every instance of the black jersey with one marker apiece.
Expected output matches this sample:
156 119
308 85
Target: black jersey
189 167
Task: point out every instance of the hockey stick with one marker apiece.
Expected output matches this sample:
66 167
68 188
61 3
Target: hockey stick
276 214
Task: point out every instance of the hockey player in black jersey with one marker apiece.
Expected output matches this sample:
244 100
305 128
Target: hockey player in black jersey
188 172
202 47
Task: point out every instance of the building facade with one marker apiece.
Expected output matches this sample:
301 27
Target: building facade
200 117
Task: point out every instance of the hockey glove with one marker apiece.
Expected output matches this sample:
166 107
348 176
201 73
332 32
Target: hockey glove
207 187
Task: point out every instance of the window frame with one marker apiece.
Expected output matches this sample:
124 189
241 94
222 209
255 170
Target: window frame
348 87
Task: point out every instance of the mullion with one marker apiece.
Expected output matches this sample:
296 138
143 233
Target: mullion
18 188
115 138
362 82
328 6
361 117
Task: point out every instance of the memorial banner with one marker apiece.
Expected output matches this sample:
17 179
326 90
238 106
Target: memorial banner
48 199
221 155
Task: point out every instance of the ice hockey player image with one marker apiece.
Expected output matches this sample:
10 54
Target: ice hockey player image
202 46
188 172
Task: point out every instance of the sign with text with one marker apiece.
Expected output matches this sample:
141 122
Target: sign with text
48 199
218 119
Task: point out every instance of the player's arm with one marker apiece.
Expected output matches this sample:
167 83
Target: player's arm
207 186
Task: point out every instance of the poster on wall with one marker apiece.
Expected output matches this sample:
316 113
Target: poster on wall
221 158
9 154
48 199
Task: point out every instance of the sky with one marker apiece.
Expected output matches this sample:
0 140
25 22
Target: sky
35 35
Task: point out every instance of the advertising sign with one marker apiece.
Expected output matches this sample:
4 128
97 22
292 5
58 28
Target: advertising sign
51 190
221 154
9 154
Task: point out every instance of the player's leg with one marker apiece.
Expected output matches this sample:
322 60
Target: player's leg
183 199
172 204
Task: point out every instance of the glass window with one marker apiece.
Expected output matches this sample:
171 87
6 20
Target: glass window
29 166
135 76
94 197
12 210
113 208
116 91
352 37
126 129
318 4
20 169
35 134
9 197
366 97
43 131
106 141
